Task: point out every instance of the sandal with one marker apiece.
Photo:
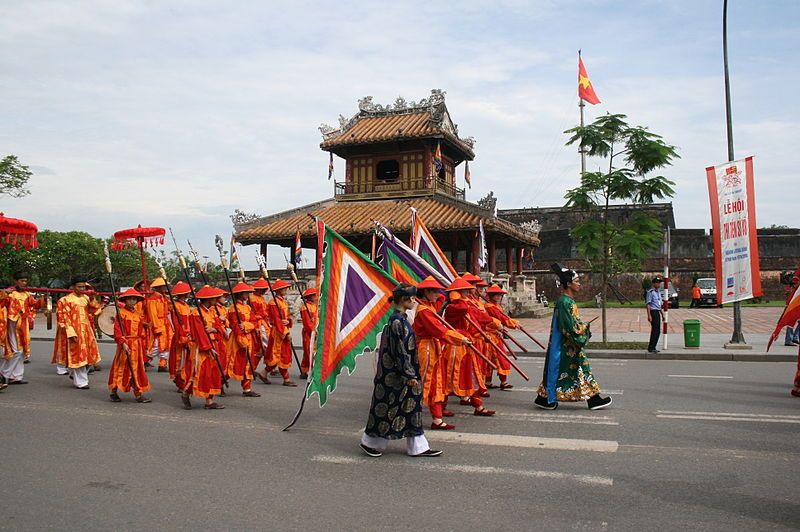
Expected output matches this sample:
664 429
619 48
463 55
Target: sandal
465 402
484 393
263 379
251 393
289 383
492 386
115 398
447 413
187 404
213 406
143 399
506 386
442 426
484 413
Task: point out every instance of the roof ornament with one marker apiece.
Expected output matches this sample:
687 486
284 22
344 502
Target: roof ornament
531 227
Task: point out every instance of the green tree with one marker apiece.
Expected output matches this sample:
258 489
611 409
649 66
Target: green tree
13 177
632 154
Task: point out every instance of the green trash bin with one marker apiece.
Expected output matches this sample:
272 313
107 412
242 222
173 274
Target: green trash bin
691 333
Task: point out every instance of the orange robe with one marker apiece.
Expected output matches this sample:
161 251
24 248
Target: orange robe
261 315
158 315
3 324
308 313
279 349
132 335
183 349
224 339
75 344
433 338
463 377
207 376
20 309
495 311
141 307
242 341
488 325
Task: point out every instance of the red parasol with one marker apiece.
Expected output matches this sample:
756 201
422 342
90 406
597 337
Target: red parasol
140 237
17 233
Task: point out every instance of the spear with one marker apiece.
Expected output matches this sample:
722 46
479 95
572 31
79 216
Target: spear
262 265
497 349
239 322
214 354
197 264
120 323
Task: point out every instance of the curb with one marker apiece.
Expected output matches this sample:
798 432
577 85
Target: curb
715 357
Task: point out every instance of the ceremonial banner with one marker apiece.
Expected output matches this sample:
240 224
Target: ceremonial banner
426 247
353 309
733 224
400 261
298 251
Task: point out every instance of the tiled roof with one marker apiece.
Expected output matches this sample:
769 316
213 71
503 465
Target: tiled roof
394 126
441 213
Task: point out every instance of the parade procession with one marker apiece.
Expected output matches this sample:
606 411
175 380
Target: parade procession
441 266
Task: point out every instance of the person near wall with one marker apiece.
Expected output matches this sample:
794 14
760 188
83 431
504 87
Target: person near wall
654 313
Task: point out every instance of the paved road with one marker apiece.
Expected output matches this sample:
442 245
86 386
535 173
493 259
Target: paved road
693 445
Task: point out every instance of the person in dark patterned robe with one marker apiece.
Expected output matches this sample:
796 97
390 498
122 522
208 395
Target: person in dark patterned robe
396 409
567 374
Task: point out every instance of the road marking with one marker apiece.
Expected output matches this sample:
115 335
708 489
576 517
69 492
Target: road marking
530 442
472 469
729 416
557 418
701 376
524 389
540 360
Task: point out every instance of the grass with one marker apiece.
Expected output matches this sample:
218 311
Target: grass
633 346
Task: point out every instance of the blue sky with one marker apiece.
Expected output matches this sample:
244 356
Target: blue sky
176 113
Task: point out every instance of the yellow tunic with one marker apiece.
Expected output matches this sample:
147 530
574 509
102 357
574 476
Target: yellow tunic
75 344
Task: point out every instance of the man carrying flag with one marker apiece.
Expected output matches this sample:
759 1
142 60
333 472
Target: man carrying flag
790 316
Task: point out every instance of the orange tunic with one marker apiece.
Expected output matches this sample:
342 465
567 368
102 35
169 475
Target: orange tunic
3 324
158 314
259 305
75 344
308 313
488 325
132 335
141 308
20 309
463 376
207 376
242 342
280 348
495 311
182 350
432 341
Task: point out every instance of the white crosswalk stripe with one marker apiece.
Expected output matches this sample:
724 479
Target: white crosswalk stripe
429 464
558 418
530 442
729 416
534 390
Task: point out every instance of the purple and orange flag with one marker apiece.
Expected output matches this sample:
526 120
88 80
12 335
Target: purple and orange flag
353 309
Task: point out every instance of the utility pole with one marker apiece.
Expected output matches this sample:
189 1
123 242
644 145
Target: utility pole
737 339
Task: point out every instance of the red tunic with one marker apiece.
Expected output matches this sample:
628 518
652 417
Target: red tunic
433 337
280 347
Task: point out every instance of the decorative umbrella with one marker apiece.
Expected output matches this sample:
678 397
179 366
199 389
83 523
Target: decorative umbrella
17 233
140 237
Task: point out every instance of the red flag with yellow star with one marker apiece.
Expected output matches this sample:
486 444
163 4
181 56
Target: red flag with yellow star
585 88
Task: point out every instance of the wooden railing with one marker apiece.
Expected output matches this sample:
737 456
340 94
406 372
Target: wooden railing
397 188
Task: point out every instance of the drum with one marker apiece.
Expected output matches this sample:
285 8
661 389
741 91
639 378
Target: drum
105 321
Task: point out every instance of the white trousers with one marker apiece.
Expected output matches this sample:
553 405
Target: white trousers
414 445
61 370
80 376
13 368
156 353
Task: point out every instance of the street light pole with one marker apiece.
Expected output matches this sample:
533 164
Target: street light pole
737 337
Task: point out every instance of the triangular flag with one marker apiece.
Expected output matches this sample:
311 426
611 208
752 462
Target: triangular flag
426 247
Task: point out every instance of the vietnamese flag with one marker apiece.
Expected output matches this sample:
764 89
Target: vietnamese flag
585 88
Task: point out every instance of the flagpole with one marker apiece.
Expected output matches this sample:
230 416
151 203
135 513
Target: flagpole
581 105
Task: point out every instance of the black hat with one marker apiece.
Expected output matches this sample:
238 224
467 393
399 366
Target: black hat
78 279
658 279
21 275
403 290
565 275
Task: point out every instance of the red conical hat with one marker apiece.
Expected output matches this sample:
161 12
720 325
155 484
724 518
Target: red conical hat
481 282
495 289
242 287
130 292
430 282
181 288
261 284
470 277
280 284
310 292
209 292
459 284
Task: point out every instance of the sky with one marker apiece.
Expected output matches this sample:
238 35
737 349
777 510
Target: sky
174 114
